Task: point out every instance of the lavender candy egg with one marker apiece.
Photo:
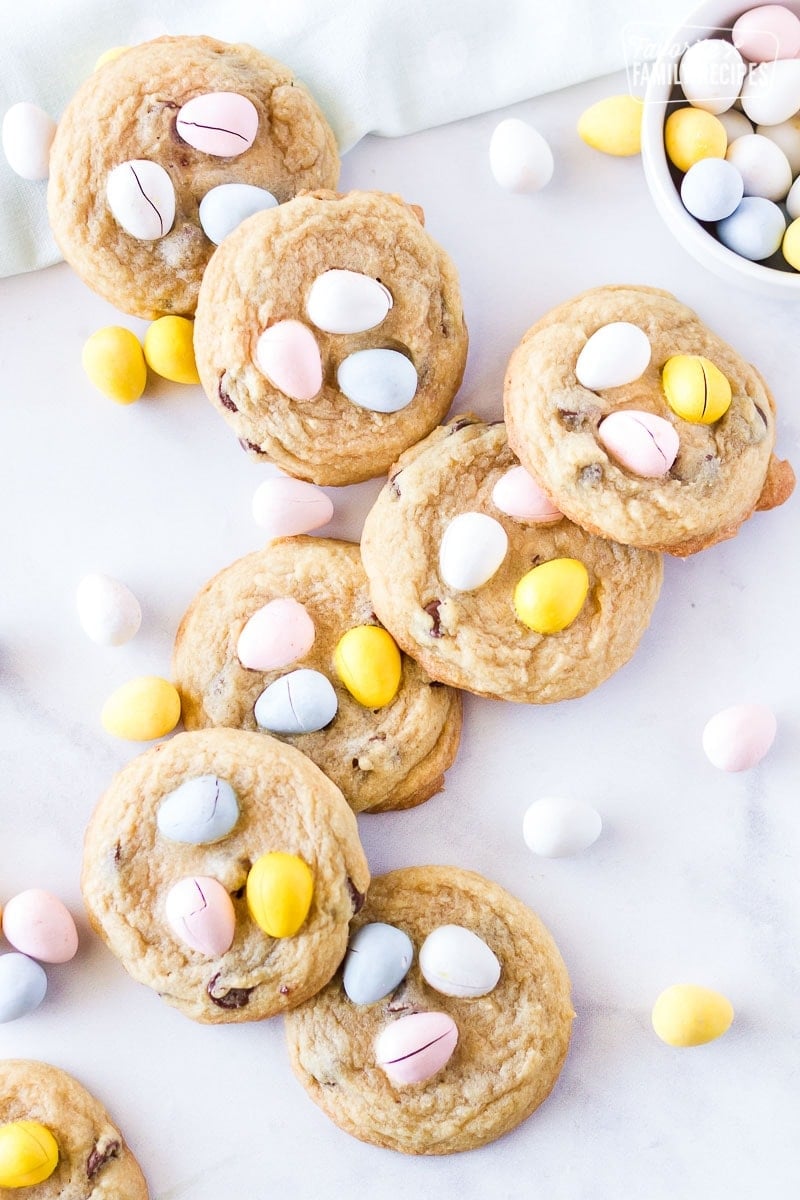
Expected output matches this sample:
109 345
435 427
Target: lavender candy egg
142 199
224 207
377 961
23 986
755 229
201 811
615 354
737 738
223 124
200 913
711 189
644 444
284 507
456 962
300 702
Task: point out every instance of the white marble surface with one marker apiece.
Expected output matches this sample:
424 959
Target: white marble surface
695 875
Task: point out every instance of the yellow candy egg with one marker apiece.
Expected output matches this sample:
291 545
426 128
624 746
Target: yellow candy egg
368 663
688 1015
550 596
28 1154
696 390
791 245
142 709
169 349
613 125
110 55
279 891
691 134
114 361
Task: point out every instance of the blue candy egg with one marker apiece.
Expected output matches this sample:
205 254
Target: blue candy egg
377 960
755 229
712 189
200 811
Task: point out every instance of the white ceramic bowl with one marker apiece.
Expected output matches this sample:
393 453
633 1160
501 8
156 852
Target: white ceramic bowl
703 22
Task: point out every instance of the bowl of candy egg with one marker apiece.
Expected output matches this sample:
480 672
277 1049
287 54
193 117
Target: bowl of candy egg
721 141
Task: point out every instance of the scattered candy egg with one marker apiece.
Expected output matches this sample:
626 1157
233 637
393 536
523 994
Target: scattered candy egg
288 354
738 737
793 200
518 495
787 137
38 924
691 134
114 361
695 388
711 189
613 125
347 302
768 32
755 229
368 663
519 157
763 166
27 136
791 245
108 611
284 507
23 985
549 597
472 550
300 702
644 444
224 207
413 1048
771 92
688 1015
711 74
735 124
169 349
615 354
142 199
223 124
279 891
377 961
201 811
144 708
555 827
456 962
28 1154
275 635
200 912
109 56
381 380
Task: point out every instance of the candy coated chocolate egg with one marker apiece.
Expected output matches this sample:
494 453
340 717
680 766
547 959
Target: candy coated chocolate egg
113 359
415 1047
200 913
768 32
284 507
738 737
224 207
519 157
613 125
691 134
201 811
554 827
169 349
518 495
787 137
695 388
300 702
109 56
755 229
644 444
279 891
456 962
27 136
288 354
735 124
38 924
711 74
142 709
549 597
108 611
368 663
615 354
472 550
377 961
223 124
28 1154
763 166
711 189
793 200
347 302
23 985
142 199
688 1015
771 92
275 635
791 245
383 381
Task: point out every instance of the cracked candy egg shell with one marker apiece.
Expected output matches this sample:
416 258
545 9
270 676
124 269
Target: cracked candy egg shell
723 471
263 273
512 1042
127 110
287 805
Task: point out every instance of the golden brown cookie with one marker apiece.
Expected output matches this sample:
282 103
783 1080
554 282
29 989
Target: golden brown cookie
330 335
242 796
511 1041
723 471
132 109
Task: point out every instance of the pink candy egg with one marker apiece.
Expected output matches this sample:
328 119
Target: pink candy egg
737 738
200 913
414 1048
518 495
766 33
644 444
38 924
223 124
288 354
275 635
284 507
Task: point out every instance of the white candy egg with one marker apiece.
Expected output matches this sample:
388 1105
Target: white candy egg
300 702
285 507
519 157
141 197
711 189
555 827
108 611
201 811
457 962
763 166
223 208
28 134
771 92
377 961
23 985
755 229
738 737
614 355
787 137
711 74
793 200
381 380
735 124
347 302
223 124
472 550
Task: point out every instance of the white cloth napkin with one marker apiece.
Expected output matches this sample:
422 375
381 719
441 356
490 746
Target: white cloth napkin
375 66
